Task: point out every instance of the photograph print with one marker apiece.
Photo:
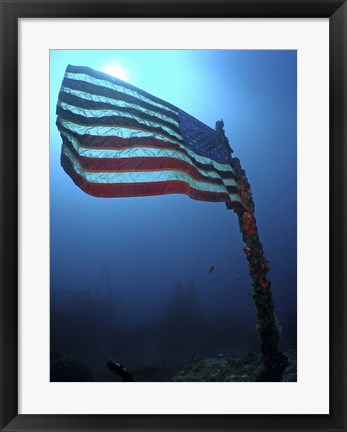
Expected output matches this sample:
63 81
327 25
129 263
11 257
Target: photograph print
173 215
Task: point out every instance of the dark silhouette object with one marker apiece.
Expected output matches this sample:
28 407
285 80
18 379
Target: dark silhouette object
220 130
120 370
211 270
220 126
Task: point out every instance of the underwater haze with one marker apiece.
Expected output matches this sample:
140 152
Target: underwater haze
130 277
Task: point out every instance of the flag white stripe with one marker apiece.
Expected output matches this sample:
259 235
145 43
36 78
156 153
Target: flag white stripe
108 84
142 152
146 177
123 132
118 103
91 113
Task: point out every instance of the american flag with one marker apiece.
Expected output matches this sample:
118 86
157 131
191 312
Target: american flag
120 141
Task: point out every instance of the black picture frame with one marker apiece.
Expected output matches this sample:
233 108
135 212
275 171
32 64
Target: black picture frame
11 11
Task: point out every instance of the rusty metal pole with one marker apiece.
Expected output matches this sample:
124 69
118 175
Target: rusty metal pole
274 361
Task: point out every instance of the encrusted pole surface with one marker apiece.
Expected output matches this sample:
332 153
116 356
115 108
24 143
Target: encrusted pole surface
274 361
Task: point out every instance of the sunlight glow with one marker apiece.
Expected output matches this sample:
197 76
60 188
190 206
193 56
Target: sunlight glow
117 70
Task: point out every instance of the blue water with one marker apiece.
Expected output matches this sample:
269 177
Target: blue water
115 263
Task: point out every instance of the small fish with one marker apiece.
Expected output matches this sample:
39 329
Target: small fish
211 270
120 370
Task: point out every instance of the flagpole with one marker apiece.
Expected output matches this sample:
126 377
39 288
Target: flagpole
274 360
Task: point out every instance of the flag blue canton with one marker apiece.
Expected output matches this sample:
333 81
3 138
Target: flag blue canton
202 139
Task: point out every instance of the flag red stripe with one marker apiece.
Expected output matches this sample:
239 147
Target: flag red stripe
143 164
110 190
117 143
113 142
